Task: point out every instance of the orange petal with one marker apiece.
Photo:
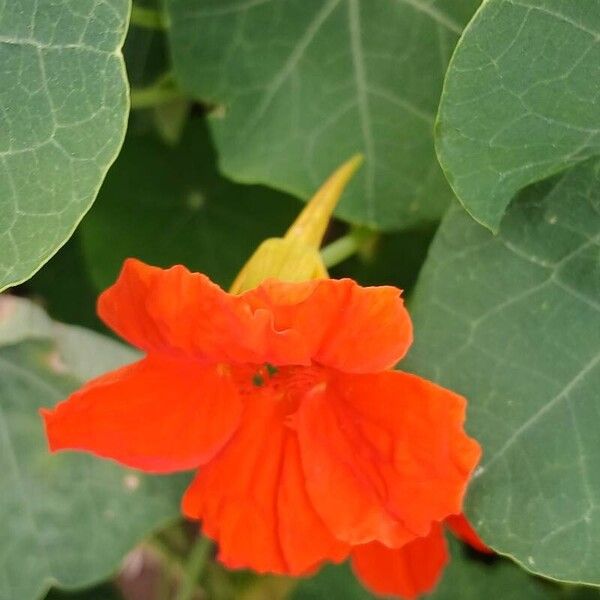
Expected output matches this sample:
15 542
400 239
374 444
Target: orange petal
463 530
253 502
333 322
178 312
158 415
343 325
392 446
408 572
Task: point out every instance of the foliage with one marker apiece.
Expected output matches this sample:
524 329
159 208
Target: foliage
41 362
64 111
512 321
479 195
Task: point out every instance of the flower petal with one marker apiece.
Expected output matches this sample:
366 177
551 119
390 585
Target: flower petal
178 312
158 415
333 322
463 530
252 499
408 572
392 446
344 326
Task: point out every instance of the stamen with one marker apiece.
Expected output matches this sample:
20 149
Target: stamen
271 370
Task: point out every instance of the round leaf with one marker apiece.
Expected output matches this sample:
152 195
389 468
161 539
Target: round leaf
301 85
520 100
66 519
513 323
64 106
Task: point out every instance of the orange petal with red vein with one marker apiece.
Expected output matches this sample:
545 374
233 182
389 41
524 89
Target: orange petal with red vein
393 448
180 313
344 326
408 572
159 415
252 500
463 530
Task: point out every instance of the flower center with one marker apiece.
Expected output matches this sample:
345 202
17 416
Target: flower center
285 385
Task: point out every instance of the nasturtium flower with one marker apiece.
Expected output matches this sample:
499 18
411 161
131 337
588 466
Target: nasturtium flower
308 446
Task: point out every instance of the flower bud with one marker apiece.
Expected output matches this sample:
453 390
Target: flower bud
295 256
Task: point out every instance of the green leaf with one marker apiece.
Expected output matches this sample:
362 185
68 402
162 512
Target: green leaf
520 100
64 107
66 519
468 577
513 323
183 211
472 577
301 85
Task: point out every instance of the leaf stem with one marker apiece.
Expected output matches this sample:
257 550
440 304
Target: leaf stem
194 568
338 251
344 247
148 18
163 90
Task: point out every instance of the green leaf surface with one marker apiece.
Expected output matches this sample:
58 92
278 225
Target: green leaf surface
520 100
513 323
472 577
468 577
66 519
183 211
301 85
63 107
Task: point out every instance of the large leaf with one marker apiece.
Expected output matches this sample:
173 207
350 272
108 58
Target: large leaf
520 100
470 578
63 107
303 84
466 577
183 211
513 323
65 519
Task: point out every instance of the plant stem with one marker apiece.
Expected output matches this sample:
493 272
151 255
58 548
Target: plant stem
358 240
162 91
148 97
147 18
194 567
338 251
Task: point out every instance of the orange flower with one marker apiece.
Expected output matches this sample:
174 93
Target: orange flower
310 448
